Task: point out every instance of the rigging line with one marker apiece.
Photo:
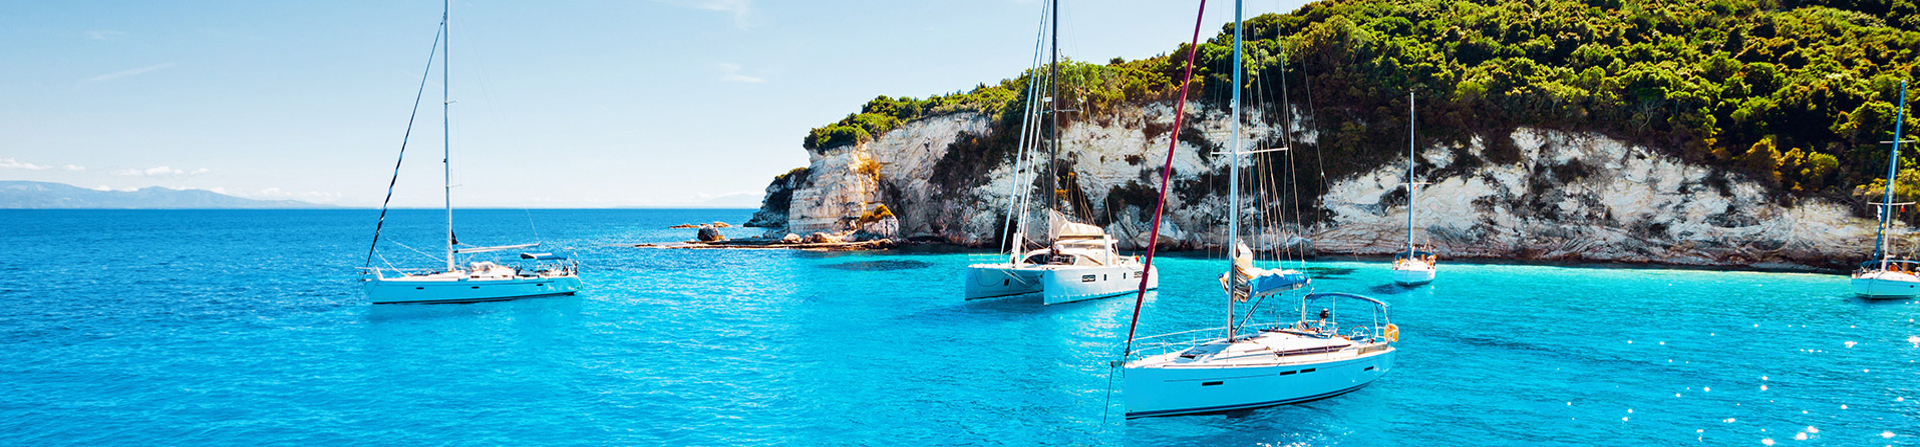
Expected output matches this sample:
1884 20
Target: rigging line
1153 238
536 230
1179 117
403 141
1014 197
1313 120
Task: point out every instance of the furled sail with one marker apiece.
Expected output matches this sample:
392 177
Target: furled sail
1062 227
1248 281
493 249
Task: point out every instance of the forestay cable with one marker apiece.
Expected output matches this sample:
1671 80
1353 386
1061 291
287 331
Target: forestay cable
403 140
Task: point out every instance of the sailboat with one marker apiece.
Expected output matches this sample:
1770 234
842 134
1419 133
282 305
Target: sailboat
1248 366
1885 277
1412 267
475 281
1081 262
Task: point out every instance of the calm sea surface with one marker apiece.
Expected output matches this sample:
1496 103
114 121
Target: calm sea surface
203 328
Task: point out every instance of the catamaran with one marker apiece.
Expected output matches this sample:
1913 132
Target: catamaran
1082 261
1412 267
475 281
1243 365
1885 277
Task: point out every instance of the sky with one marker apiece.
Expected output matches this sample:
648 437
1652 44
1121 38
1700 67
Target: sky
557 104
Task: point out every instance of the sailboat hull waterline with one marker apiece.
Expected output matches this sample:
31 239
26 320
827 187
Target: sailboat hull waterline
987 281
1412 273
1886 285
1180 383
450 289
1066 284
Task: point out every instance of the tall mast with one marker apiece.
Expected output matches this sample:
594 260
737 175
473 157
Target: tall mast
446 117
1893 161
1233 173
1410 191
1053 107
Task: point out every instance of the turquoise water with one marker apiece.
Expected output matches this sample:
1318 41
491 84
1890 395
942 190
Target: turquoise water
246 328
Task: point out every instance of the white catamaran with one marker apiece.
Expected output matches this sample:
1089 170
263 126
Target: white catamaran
1082 261
475 281
1413 267
1885 277
1245 366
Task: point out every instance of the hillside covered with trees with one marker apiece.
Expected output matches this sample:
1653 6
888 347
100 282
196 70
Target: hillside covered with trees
1797 95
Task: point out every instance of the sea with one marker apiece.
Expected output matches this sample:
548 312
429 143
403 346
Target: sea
248 327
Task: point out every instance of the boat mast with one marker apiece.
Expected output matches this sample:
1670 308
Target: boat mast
1053 127
1233 175
446 116
1893 161
1410 191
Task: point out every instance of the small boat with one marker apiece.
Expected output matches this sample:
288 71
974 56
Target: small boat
1081 262
1886 277
1412 267
475 281
1314 358
1243 366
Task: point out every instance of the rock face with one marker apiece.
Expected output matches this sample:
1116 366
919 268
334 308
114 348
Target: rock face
1569 196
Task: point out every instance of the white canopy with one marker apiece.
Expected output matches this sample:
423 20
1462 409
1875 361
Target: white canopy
1062 227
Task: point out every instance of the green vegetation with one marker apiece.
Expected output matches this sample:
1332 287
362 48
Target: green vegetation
1794 94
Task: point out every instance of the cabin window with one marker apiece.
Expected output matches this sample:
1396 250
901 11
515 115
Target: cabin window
476 287
1212 383
1368 369
1289 373
1088 278
1308 370
419 288
1103 277
1006 282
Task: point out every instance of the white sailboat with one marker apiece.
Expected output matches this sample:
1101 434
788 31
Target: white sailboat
1412 267
1082 261
1885 277
476 281
1224 369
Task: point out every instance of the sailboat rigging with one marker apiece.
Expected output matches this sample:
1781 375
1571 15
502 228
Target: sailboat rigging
1082 261
1413 267
1884 276
1314 358
476 281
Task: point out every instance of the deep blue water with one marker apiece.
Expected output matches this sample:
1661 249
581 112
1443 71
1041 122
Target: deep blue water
246 328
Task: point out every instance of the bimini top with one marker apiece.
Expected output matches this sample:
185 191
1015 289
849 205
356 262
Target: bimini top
1416 253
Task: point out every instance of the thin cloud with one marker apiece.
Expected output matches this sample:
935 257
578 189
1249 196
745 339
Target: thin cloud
731 73
8 163
160 171
105 34
740 9
75 167
129 73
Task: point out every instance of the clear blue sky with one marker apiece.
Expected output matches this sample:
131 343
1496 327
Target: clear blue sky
559 103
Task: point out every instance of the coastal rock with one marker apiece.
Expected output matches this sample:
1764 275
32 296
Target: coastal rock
1570 196
791 238
708 233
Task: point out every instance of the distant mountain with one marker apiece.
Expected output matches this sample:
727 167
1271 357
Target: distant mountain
42 195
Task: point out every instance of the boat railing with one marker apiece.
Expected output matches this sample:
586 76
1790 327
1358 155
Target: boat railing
1178 341
1164 343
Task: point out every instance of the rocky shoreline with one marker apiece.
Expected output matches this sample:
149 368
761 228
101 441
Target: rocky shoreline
1533 195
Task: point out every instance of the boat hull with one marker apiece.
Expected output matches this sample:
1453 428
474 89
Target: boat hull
1886 285
985 281
1172 391
440 291
1066 284
1412 276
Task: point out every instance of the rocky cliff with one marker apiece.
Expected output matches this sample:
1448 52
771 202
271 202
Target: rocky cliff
1564 196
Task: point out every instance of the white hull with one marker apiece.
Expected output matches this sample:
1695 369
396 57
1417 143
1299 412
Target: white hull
1002 280
1070 283
434 289
1885 284
1170 390
1412 276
